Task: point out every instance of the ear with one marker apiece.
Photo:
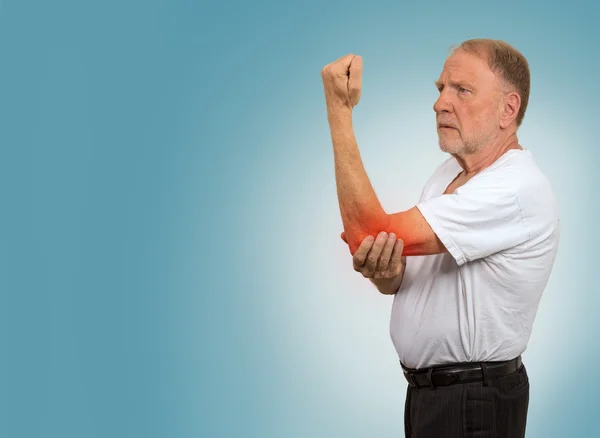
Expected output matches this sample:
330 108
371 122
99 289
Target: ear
511 103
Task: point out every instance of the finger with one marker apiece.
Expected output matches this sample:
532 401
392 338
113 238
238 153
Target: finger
339 67
386 253
396 260
344 60
366 272
359 257
375 251
355 79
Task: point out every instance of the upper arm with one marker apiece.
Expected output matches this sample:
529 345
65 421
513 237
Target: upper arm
480 218
416 233
409 226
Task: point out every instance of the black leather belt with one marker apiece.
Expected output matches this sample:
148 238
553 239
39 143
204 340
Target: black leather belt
444 375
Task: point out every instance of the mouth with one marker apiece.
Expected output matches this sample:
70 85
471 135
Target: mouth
442 126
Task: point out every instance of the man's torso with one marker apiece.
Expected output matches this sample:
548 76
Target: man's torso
482 310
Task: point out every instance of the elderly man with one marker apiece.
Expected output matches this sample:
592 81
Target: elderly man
468 264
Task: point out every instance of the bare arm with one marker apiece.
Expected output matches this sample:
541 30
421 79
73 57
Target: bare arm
362 214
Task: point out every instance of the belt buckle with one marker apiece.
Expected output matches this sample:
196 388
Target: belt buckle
447 377
411 379
430 378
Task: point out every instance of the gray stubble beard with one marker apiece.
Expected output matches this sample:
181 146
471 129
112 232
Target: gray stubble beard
466 148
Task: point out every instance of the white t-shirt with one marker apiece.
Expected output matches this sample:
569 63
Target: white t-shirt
477 302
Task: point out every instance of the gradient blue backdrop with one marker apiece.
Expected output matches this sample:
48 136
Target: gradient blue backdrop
170 260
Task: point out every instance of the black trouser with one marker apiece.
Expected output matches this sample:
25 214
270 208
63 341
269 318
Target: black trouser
464 410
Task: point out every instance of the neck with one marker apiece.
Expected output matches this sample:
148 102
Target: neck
476 162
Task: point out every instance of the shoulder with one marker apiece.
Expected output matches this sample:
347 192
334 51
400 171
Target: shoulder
536 197
519 179
519 172
515 172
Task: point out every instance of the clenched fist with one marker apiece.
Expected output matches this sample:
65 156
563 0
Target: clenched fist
342 80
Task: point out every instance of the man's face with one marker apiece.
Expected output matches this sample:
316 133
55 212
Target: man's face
468 109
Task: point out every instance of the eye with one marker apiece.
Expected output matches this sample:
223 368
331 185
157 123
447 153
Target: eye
462 90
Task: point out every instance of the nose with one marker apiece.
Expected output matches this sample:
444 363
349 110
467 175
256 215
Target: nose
443 104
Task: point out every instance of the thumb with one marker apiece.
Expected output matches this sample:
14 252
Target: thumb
355 80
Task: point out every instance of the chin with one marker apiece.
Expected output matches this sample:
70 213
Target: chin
450 148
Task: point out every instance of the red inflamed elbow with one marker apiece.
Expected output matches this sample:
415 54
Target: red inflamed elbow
355 234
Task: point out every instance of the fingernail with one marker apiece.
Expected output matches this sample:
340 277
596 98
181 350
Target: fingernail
392 235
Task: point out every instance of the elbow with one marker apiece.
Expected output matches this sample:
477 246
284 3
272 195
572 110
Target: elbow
356 233
354 238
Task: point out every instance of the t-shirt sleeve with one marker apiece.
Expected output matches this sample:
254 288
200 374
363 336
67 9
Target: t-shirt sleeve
480 218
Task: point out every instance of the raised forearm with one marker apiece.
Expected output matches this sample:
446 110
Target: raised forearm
361 212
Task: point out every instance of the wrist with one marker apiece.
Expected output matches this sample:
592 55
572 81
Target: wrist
339 113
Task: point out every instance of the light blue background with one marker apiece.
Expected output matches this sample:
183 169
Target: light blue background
170 260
